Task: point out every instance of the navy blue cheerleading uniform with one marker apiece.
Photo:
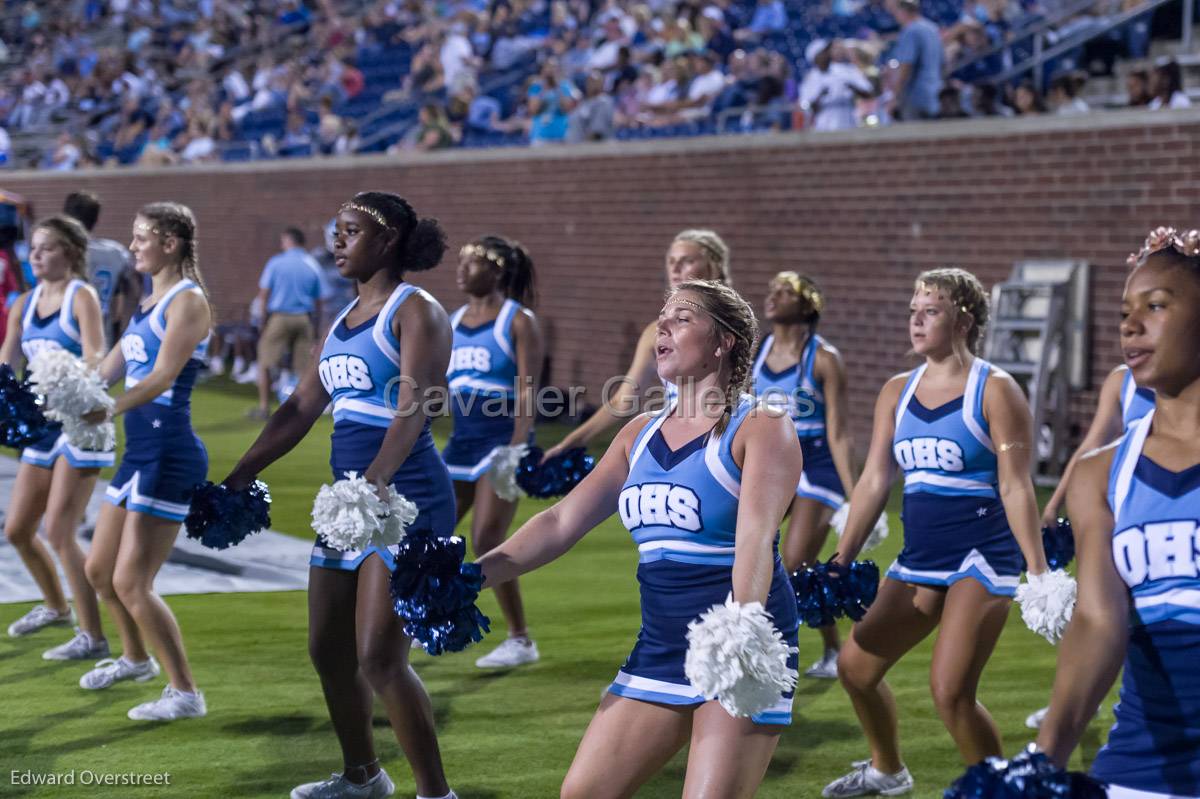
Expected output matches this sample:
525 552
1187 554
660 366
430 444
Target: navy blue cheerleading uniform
482 378
681 507
360 370
164 459
799 391
1136 402
59 330
1153 750
954 522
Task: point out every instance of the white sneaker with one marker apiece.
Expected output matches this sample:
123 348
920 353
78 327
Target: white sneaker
109 671
866 780
338 787
248 376
81 647
513 652
37 618
216 365
825 668
1034 720
173 704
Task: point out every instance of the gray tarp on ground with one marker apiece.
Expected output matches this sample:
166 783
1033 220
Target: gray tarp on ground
266 561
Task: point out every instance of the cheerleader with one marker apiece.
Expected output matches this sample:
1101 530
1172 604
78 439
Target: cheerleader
693 255
1135 510
56 478
797 366
160 354
385 352
492 378
962 433
678 477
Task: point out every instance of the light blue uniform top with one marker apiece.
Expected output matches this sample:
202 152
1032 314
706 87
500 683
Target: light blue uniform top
294 281
483 361
796 389
59 330
143 340
1135 402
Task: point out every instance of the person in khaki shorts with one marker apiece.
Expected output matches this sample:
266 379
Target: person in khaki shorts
290 291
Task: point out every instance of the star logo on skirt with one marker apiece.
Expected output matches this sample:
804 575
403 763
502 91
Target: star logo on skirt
981 512
157 423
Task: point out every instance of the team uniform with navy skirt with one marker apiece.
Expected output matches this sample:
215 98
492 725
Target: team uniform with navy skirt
1136 402
482 380
681 508
802 394
164 459
57 331
954 522
360 370
1153 750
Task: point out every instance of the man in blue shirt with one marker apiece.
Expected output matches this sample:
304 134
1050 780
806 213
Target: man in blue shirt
918 56
290 292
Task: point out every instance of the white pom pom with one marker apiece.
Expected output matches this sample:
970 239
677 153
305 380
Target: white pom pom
1047 601
878 533
70 386
737 656
503 471
96 437
349 515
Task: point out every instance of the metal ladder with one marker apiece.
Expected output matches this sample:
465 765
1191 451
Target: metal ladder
1028 338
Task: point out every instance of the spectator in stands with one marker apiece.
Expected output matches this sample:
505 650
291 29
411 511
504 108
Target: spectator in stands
1026 100
604 56
1166 87
550 100
918 57
770 16
329 127
593 118
1137 87
829 89
433 129
348 141
290 291
715 33
297 138
197 143
458 59
109 265
950 103
1064 97
985 100
65 155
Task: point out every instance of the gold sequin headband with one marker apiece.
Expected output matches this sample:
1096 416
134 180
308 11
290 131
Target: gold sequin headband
482 253
928 288
704 311
368 211
804 289
1187 243
146 227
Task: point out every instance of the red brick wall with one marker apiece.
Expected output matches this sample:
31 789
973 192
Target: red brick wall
863 212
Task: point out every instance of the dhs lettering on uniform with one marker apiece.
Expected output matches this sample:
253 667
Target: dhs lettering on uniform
478 359
660 504
1157 551
133 349
928 452
36 346
344 371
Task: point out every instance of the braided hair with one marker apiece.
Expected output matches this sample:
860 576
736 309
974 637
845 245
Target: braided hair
420 242
967 295
177 220
517 279
735 316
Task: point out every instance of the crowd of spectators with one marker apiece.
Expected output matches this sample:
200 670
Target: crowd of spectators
161 82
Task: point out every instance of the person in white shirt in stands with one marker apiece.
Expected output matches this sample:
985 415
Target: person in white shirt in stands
830 88
1166 86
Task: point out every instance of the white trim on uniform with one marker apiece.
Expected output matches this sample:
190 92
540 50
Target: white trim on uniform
1128 391
763 352
480 384
384 320
130 382
968 409
129 491
657 686
974 559
1183 597
457 316
716 467
1140 429
930 478
647 432
158 316
507 311
362 406
67 310
816 491
676 545
909 391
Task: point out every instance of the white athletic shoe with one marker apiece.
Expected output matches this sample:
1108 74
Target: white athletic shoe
37 618
248 376
1034 720
109 671
513 652
173 704
81 647
866 780
825 668
338 787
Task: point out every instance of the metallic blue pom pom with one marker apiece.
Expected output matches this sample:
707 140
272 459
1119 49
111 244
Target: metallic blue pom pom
555 477
1059 543
1029 775
21 419
220 517
825 593
435 592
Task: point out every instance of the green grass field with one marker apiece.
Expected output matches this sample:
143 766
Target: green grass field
502 735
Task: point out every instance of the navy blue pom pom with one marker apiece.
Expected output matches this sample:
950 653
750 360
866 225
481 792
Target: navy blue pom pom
435 592
220 517
555 477
1029 775
1059 543
825 594
21 419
